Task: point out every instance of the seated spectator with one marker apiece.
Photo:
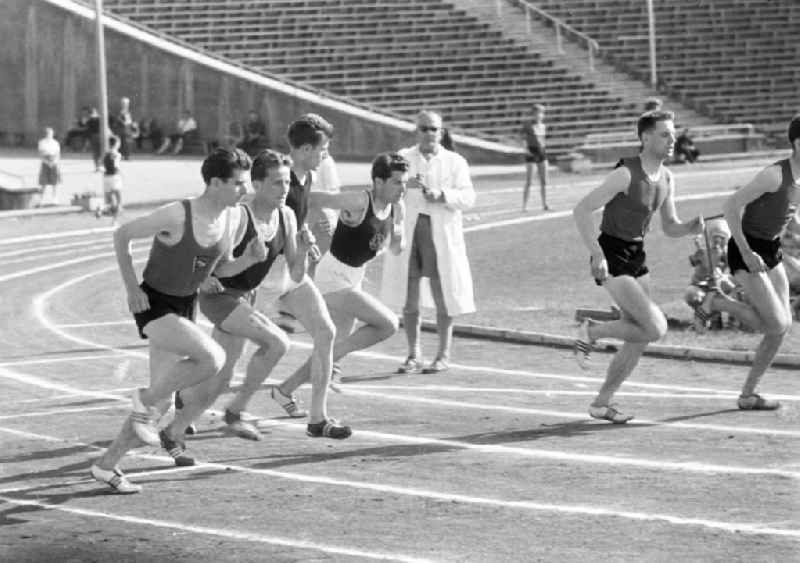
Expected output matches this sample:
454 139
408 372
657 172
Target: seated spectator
652 104
255 134
78 137
685 150
711 276
149 130
234 135
186 126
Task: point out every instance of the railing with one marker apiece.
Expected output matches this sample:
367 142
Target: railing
592 46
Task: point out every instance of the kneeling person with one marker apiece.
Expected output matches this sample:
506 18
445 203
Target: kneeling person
367 220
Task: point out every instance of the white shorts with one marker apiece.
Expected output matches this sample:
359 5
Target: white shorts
112 183
333 275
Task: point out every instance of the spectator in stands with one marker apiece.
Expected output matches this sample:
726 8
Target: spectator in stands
255 134
149 130
439 190
186 126
125 127
80 132
685 149
234 136
49 169
533 133
652 104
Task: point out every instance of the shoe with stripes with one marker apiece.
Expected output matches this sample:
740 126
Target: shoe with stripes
176 450
241 428
115 479
583 345
329 429
143 420
290 403
335 383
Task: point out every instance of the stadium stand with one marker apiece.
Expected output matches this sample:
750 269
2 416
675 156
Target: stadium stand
735 60
399 55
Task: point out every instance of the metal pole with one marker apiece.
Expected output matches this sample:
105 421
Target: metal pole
651 24
102 89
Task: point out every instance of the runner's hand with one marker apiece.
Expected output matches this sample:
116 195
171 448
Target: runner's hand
138 301
211 285
599 267
306 240
754 262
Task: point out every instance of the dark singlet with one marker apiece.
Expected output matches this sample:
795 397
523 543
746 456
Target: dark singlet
627 216
181 268
765 217
110 164
297 198
355 246
250 278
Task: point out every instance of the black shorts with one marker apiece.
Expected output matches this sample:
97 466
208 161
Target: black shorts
769 250
535 154
162 304
624 257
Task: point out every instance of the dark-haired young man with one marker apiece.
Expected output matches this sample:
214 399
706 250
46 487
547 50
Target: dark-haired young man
757 214
190 238
229 303
309 137
629 196
368 222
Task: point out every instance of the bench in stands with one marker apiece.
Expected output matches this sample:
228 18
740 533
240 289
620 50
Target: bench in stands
710 139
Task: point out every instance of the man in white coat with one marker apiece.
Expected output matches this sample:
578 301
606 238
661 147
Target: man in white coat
439 189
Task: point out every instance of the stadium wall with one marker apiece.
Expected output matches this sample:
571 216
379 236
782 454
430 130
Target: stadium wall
48 57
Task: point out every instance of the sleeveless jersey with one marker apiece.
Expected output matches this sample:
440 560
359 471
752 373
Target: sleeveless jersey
627 216
766 217
297 198
181 268
252 277
110 164
355 246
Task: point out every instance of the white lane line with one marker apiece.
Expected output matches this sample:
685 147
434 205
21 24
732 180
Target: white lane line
64 359
584 510
61 396
227 534
568 213
54 254
29 250
57 235
576 415
659 465
483 369
60 412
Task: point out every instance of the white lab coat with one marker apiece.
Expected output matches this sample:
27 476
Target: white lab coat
449 172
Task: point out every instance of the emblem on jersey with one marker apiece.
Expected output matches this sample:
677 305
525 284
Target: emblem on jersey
376 242
201 263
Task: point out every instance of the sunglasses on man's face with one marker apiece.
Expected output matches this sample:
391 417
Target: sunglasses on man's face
428 128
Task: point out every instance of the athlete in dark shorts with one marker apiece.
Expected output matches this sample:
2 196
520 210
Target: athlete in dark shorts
533 133
757 214
629 196
190 238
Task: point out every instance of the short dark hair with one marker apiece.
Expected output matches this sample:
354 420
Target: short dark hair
387 162
221 164
794 129
649 119
310 129
112 142
265 161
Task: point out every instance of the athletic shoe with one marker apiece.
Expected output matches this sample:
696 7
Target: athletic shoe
411 365
116 480
176 450
191 430
702 313
756 402
437 366
239 427
143 420
290 403
329 429
609 413
583 345
335 383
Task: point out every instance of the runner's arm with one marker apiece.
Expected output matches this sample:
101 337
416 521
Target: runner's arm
295 251
670 224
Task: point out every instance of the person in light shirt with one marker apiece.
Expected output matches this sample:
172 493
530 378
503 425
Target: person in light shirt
49 169
439 190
